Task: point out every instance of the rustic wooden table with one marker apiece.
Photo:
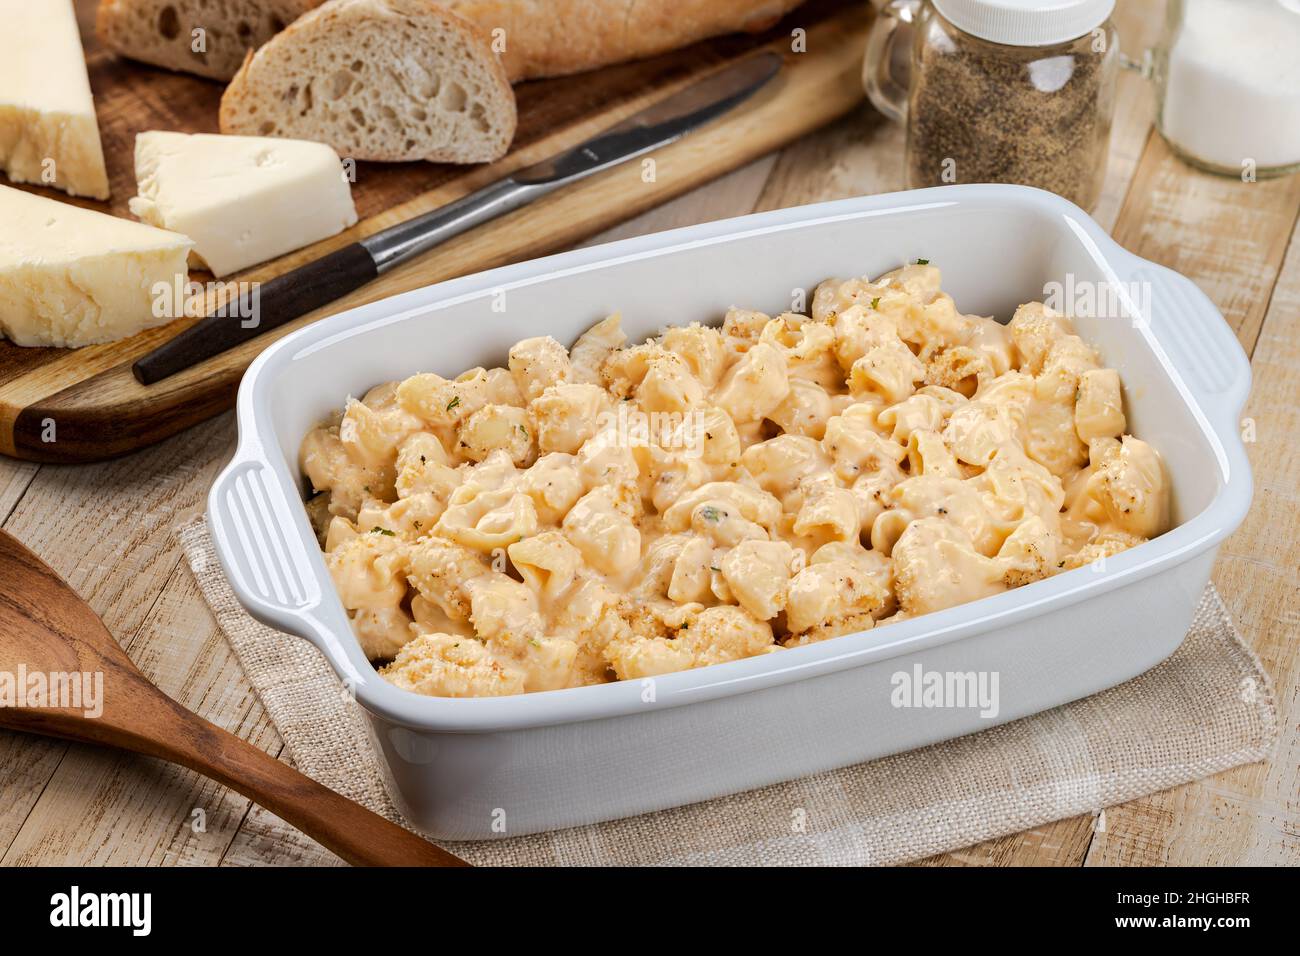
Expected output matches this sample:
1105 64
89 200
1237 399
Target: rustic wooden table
109 529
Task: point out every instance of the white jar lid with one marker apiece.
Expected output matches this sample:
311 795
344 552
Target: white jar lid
1026 22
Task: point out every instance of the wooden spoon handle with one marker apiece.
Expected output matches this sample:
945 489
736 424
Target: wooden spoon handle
356 834
147 721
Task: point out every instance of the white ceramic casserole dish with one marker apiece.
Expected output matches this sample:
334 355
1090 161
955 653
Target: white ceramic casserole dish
556 759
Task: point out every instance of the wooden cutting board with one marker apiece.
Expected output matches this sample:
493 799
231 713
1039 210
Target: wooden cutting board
74 405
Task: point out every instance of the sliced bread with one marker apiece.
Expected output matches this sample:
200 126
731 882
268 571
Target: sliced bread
167 32
388 80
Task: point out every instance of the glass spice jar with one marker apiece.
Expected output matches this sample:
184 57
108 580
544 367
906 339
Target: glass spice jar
1000 91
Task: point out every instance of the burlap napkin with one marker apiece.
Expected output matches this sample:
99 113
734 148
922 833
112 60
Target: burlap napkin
1207 708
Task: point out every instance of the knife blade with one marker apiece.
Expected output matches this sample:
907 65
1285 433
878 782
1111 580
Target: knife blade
324 280
659 124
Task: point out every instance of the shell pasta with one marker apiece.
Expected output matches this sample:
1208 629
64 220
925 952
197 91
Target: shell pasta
621 510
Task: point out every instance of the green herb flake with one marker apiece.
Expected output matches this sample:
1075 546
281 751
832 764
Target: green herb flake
453 403
875 303
384 531
710 514
922 262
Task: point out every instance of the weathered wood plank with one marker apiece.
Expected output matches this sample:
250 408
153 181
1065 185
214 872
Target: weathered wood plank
266 840
108 529
1061 843
15 476
1249 815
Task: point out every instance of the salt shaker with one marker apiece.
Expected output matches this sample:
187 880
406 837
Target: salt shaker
1227 75
1000 91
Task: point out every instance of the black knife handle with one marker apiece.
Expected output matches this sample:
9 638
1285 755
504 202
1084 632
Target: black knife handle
280 300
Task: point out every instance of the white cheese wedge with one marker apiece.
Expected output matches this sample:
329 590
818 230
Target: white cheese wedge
242 199
71 276
48 132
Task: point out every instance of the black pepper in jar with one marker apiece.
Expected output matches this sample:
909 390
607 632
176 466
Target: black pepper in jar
1035 110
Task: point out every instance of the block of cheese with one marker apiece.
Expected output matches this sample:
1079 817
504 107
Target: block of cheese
71 276
48 132
242 199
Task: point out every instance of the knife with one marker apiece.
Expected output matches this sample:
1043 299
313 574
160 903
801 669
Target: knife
324 280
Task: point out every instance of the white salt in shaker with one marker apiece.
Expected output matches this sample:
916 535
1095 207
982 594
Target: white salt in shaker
1228 80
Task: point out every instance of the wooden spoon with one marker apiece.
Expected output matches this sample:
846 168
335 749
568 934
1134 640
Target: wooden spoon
46 628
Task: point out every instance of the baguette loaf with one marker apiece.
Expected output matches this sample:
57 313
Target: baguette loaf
163 32
541 37
557 37
389 80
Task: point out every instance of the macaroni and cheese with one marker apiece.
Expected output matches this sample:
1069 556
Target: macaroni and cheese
616 511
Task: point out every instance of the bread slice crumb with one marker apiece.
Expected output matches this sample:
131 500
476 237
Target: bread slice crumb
386 80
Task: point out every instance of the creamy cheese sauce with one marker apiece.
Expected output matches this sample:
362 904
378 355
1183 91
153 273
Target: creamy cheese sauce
618 511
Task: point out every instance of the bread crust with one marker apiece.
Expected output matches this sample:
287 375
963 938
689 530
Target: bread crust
558 37
265 71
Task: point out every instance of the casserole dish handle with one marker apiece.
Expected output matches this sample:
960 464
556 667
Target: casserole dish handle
267 551
1198 342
